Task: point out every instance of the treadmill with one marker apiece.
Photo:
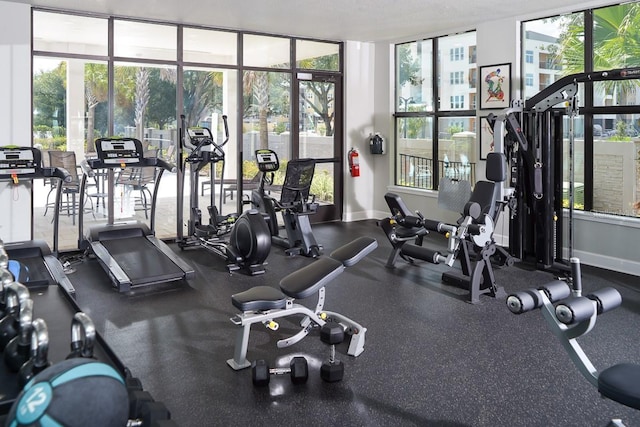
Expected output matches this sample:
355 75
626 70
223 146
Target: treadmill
32 262
129 251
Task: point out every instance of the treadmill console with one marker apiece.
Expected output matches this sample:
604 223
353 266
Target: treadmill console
119 151
267 160
19 160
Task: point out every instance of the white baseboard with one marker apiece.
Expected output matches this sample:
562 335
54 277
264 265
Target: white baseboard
603 261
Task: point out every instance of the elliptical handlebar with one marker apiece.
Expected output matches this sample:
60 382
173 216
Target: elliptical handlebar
226 131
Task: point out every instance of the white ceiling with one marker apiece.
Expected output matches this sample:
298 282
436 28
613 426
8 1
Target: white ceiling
339 20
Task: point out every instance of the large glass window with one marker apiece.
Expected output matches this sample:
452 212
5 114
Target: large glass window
313 55
266 119
69 110
266 51
143 40
421 126
552 47
610 109
63 33
414 76
81 92
210 47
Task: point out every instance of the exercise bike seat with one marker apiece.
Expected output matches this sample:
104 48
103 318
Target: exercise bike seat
354 251
259 298
621 383
310 279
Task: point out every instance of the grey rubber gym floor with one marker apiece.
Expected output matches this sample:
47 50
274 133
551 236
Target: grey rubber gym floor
430 358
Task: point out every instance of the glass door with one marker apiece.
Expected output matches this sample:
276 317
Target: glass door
319 137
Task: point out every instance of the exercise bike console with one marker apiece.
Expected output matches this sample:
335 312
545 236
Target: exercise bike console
267 161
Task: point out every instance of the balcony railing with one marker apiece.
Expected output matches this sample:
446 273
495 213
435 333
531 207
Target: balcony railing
549 65
416 172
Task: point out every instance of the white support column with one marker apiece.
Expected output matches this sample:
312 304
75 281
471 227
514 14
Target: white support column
15 114
75 107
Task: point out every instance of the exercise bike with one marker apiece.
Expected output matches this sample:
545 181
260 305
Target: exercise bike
249 242
294 203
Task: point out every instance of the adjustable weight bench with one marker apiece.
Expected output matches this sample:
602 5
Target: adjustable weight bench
263 304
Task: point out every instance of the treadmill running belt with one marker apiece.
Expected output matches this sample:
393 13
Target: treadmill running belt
142 261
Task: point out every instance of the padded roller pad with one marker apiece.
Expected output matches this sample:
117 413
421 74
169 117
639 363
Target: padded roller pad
308 280
354 251
621 383
259 298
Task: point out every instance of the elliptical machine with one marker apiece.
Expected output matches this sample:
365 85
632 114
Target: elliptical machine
249 240
294 203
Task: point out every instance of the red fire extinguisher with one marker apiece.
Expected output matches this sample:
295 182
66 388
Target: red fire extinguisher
354 162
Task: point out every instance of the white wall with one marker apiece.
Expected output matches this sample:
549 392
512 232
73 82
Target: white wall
360 82
15 114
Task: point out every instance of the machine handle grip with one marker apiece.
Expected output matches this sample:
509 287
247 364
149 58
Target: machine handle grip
432 225
63 174
226 130
475 229
165 165
411 221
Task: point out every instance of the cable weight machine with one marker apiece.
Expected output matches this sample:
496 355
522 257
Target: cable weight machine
531 132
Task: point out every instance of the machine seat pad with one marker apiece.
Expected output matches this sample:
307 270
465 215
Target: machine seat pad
621 383
308 280
354 251
259 298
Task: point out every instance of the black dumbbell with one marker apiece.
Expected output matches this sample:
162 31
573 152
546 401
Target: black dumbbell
144 411
39 360
332 370
15 294
83 336
298 370
18 350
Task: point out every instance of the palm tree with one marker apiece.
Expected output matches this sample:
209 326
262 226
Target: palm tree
616 35
141 100
200 94
257 84
96 83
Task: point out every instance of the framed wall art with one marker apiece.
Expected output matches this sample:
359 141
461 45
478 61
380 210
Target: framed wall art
495 86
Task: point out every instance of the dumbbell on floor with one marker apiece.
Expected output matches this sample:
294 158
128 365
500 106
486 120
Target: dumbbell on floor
298 370
332 370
